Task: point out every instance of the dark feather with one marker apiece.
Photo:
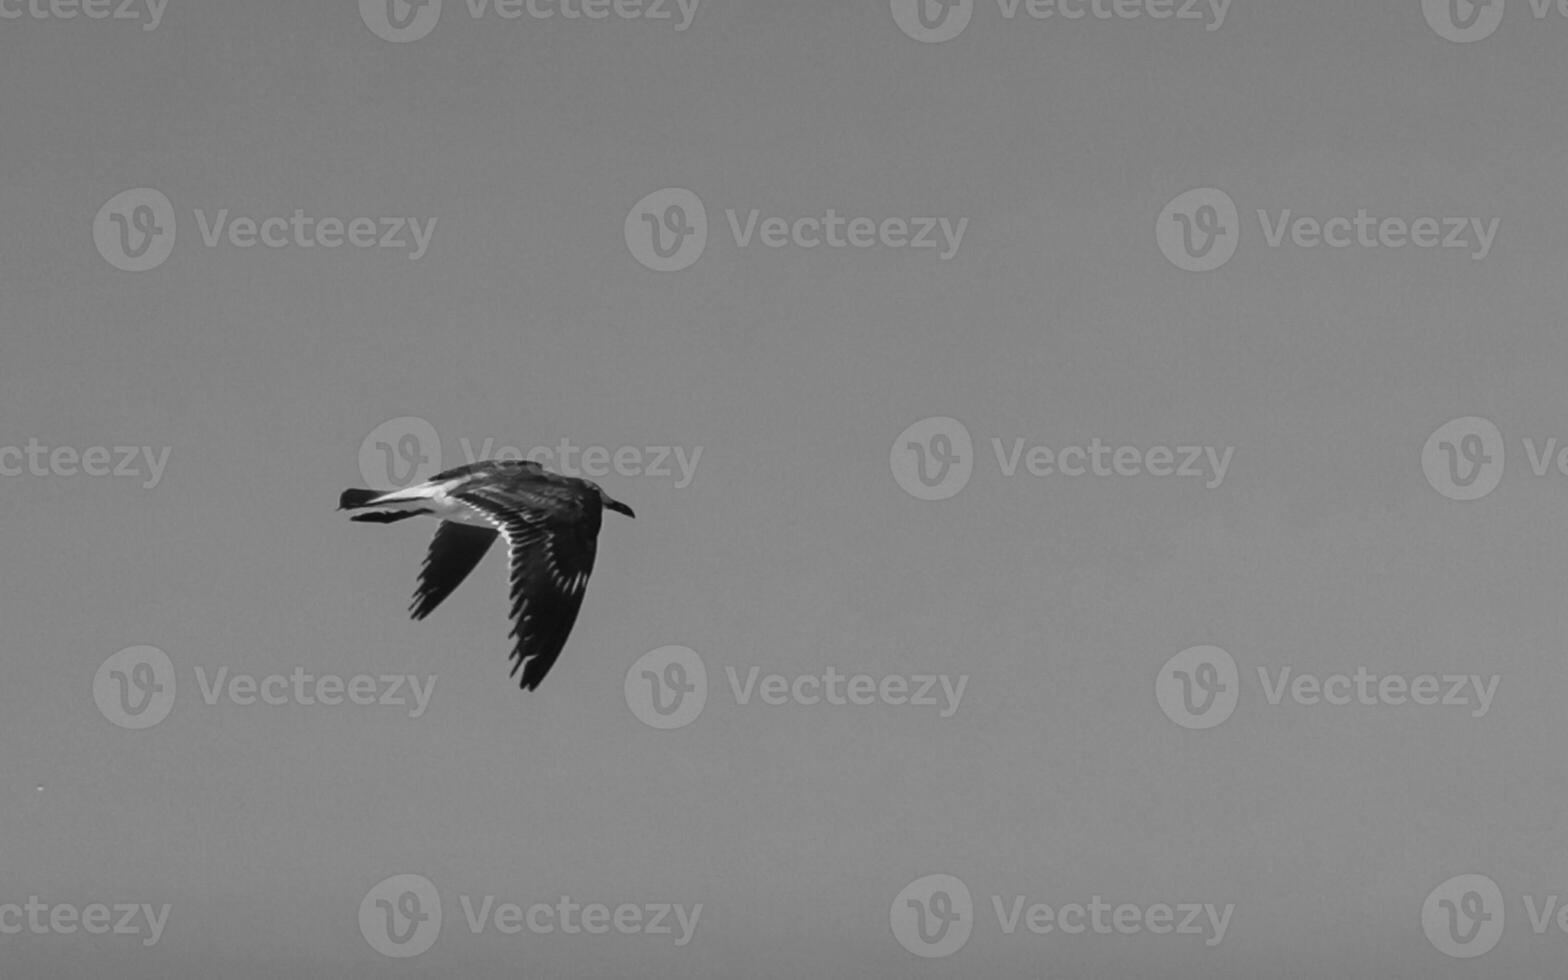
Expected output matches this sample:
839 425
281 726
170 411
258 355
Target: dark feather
552 531
454 552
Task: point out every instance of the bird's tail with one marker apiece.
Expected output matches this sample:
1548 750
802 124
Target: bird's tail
388 516
354 498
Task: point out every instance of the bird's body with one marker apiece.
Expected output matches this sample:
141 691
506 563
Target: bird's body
551 526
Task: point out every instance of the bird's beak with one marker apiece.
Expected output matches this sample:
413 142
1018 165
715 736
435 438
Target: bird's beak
618 507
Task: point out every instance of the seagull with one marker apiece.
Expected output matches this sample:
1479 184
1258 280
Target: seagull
551 526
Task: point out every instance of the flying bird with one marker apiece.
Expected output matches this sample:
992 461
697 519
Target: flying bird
551 526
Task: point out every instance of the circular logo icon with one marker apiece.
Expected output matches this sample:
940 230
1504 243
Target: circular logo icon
932 21
135 687
1463 917
933 916
399 453
1199 230
933 459
667 688
134 230
400 20
1463 459
667 230
1463 20
401 916
1198 687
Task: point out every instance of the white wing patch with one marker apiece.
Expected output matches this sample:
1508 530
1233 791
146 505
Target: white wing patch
419 491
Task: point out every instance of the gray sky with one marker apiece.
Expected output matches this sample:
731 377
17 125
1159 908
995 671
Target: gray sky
1054 777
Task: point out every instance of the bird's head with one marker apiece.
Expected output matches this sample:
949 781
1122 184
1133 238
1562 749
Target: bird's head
611 503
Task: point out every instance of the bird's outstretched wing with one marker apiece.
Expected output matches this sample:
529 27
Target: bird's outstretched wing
488 467
454 552
553 536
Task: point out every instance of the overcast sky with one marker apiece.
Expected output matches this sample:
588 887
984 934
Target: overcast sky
998 359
